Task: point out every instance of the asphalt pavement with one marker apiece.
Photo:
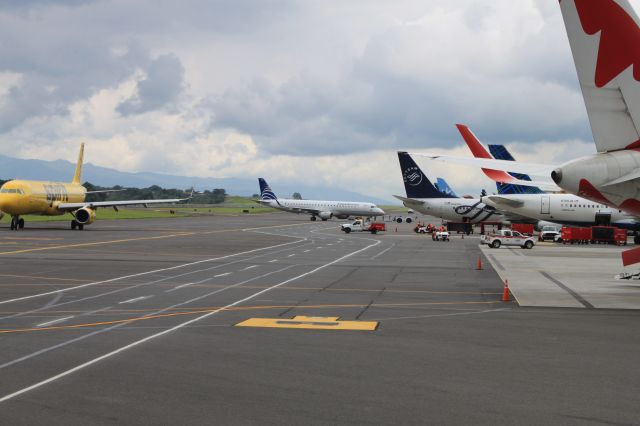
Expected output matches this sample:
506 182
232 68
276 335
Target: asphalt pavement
136 322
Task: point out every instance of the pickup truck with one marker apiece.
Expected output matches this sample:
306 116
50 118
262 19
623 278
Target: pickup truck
507 237
361 226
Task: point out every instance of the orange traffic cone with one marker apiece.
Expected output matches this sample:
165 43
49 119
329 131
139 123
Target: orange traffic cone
505 292
479 264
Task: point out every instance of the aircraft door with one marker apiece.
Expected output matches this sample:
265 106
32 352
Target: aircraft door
603 219
545 204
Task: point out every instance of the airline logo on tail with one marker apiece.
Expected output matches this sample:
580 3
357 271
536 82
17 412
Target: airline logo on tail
266 193
619 46
412 176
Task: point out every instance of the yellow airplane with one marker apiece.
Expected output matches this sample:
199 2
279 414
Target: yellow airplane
20 197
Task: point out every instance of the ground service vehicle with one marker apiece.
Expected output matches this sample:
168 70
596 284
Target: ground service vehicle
441 236
507 237
361 226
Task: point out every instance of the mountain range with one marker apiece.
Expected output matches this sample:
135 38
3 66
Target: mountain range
61 170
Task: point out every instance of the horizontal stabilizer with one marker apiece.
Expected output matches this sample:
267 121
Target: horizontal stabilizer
411 201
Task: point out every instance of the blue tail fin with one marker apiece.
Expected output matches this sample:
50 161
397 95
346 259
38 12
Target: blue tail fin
500 152
265 191
416 183
444 187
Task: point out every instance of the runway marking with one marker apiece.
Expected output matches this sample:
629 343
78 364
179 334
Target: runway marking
274 260
44 324
38 277
136 299
249 267
178 327
222 275
291 255
306 251
383 251
17 299
197 311
310 323
178 287
126 240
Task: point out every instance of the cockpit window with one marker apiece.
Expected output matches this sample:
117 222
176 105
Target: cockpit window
11 191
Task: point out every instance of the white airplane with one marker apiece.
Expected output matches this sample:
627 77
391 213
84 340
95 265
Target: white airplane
604 36
425 198
564 209
317 208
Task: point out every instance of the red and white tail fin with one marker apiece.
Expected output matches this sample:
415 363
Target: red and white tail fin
480 151
605 42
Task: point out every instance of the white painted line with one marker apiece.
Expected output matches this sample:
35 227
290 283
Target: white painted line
178 287
222 275
291 255
134 300
177 327
307 251
249 267
44 324
384 251
274 260
17 299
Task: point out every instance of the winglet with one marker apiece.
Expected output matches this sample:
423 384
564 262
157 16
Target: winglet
78 173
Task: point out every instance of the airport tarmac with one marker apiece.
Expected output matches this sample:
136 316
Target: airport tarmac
563 275
136 322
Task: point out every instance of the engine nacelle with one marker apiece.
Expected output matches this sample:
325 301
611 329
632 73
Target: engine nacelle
342 216
325 215
85 216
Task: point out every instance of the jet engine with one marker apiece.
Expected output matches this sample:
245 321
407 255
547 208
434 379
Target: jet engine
342 216
325 215
85 216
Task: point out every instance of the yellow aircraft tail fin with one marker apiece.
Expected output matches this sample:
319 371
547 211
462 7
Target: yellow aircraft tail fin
78 172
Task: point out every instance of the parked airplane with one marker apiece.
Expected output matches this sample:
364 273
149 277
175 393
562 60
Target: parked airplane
603 36
22 197
317 208
424 197
564 209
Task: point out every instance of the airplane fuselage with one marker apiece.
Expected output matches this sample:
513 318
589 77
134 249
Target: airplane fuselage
456 209
326 209
594 177
565 209
19 197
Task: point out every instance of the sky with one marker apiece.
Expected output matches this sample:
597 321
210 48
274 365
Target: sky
322 92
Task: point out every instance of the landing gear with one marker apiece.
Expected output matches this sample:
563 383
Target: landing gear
312 219
75 224
17 223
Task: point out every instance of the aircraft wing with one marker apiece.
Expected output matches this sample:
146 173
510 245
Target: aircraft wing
496 169
96 204
490 163
507 202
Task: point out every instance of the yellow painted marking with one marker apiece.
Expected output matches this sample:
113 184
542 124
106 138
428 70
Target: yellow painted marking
310 323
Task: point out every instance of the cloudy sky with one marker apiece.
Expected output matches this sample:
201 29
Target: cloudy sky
313 91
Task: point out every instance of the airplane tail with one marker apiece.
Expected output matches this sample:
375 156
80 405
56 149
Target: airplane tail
500 152
444 187
605 43
78 173
416 183
266 193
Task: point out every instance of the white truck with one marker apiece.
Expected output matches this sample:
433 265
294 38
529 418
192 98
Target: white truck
507 237
360 226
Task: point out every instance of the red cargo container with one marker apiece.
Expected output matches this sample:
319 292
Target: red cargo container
621 237
523 228
575 235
